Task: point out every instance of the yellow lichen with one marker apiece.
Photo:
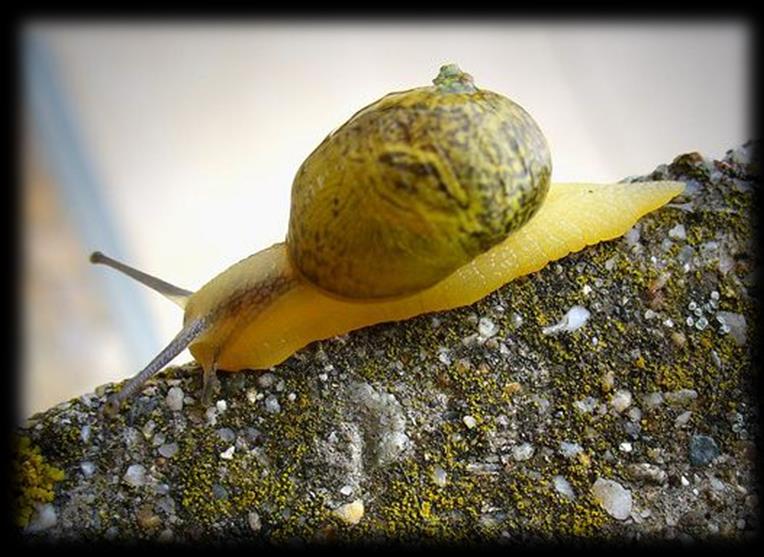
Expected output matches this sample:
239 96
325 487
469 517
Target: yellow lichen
33 480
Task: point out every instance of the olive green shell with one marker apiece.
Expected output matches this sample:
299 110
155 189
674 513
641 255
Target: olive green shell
414 186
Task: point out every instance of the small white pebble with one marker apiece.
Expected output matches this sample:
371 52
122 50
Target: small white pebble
573 320
516 319
88 468
634 414
586 290
158 439
135 475
487 328
226 434
585 405
252 395
266 380
222 406
44 518
522 452
272 405
621 400
439 476
563 487
212 415
682 419
678 232
625 447
570 450
392 444
652 400
323 376
169 450
346 490
632 236
254 521
735 324
469 421
174 399
613 497
228 453
350 513
291 397
685 481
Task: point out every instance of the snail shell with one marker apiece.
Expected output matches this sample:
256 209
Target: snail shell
414 186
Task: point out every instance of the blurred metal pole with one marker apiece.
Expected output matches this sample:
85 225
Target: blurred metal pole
55 123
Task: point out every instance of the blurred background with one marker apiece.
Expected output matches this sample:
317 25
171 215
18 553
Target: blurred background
173 146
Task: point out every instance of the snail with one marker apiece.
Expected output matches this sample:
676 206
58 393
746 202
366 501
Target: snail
425 200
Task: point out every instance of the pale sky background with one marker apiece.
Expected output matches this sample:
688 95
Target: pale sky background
193 134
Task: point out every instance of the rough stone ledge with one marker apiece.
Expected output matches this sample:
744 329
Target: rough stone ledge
470 425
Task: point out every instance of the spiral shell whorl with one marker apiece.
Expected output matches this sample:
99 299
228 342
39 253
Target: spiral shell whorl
414 186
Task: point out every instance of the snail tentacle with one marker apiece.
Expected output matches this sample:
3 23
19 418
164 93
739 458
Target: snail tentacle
187 334
173 293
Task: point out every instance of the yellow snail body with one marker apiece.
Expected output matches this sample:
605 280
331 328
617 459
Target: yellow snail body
426 200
